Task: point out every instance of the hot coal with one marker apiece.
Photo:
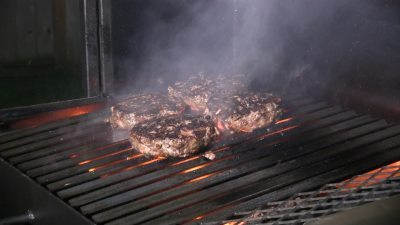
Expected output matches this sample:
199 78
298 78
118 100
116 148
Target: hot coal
173 136
197 90
135 109
244 112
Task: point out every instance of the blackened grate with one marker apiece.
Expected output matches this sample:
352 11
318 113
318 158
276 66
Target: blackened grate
108 182
331 198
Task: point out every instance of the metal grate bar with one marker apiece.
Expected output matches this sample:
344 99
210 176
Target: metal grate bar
279 189
71 153
74 133
84 157
190 165
254 154
120 151
49 134
304 207
315 143
118 177
50 127
215 179
61 147
235 184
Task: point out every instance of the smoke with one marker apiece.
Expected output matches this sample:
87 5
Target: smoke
276 43
286 44
165 41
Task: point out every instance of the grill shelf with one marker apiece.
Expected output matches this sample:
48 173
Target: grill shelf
316 143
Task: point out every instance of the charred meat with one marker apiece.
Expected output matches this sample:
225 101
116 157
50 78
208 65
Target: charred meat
197 90
143 107
173 136
244 112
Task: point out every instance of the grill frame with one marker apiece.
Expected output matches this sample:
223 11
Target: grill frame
114 199
21 193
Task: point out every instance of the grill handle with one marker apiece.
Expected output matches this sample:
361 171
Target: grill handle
19 219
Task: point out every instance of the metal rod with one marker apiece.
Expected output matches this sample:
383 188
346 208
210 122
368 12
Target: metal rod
19 219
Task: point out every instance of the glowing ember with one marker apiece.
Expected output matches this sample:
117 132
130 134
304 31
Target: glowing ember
48 117
115 162
284 120
105 156
235 223
186 160
199 218
201 178
231 223
370 178
145 163
195 168
135 166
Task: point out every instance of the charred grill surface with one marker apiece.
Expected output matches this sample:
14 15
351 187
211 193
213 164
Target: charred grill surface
245 112
139 108
176 136
110 183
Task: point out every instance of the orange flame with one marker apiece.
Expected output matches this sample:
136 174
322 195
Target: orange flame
105 156
115 162
201 177
48 117
383 174
195 168
99 148
185 160
284 120
135 166
235 223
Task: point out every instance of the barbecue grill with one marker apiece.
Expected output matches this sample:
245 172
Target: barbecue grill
106 181
62 163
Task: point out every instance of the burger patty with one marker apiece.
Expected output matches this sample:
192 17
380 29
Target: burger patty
143 107
173 136
244 112
197 90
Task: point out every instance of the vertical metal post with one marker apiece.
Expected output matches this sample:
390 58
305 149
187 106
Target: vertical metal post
91 51
105 45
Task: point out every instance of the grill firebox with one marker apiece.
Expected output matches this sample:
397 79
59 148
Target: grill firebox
108 182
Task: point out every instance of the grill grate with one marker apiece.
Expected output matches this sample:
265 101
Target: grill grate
331 198
316 143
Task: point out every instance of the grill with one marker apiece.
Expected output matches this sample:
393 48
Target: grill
107 182
305 207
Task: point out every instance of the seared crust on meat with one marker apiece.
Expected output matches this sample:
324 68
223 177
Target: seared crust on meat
173 136
142 107
245 112
197 90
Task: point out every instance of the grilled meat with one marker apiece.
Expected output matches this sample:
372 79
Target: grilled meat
143 107
173 136
197 90
244 112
